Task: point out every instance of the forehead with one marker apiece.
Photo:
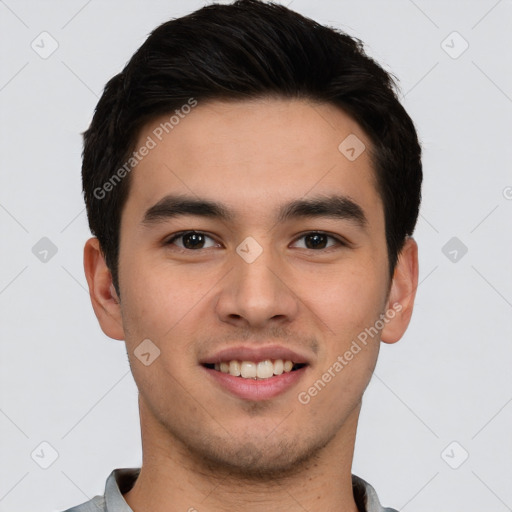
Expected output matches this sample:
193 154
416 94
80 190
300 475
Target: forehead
252 153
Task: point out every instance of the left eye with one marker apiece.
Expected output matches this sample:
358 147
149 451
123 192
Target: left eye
318 240
191 240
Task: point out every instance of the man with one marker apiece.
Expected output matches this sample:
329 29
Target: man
253 184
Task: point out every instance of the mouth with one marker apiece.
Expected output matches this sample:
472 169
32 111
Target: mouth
257 370
255 374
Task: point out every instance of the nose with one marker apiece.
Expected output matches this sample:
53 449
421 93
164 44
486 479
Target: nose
257 294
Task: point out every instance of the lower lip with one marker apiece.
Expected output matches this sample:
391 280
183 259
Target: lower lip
256 389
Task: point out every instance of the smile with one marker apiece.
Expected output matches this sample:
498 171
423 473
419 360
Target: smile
255 370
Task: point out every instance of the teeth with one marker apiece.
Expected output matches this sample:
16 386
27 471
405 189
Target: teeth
255 370
265 370
278 367
248 369
234 368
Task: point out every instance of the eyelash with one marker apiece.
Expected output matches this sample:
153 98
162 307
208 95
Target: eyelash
340 242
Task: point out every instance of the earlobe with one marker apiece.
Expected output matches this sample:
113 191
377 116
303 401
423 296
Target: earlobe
104 299
402 292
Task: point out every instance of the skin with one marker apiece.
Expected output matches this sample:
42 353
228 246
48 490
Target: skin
204 448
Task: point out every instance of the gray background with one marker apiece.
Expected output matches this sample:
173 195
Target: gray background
448 380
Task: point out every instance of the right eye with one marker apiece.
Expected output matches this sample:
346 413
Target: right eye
190 240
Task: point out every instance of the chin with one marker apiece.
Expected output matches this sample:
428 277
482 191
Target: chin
264 461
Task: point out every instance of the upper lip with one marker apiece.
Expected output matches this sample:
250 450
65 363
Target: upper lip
245 353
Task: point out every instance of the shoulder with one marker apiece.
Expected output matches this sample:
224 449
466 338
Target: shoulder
97 504
369 496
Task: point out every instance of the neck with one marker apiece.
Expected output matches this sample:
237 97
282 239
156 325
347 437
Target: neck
173 479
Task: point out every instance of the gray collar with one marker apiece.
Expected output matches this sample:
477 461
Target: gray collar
120 481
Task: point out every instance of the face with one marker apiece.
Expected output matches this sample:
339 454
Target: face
249 237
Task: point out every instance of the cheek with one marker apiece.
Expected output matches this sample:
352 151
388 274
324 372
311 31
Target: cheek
346 298
155 296
165 305
339 381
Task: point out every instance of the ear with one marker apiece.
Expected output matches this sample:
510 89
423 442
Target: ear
104 299
402 292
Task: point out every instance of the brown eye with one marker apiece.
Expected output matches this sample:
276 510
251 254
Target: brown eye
318 241
190 240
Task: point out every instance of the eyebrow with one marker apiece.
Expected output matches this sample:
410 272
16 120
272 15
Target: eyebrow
331 206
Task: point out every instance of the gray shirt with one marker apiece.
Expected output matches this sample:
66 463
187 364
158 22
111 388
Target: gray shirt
120 481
